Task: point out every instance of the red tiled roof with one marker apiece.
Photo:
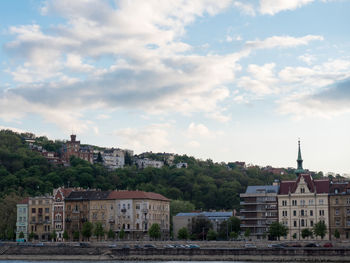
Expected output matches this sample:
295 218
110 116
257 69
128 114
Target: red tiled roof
321 186
123 194
23 201
66 191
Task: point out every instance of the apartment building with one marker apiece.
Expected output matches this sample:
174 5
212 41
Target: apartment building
22 220
260 209
339 210
40 217
136 211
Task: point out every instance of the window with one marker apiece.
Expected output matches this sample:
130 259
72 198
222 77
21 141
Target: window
321 212
294 202
311 213
321 201
311 223
302 213
294 213
302 202
311 201
137 206
33 210
302 190
128 206
348 222
284 213
337 211
47 210
40 210
336 201
284 203
348 201
337 222
302 222
295 223
348 211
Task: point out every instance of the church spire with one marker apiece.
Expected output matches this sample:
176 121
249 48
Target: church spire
299 161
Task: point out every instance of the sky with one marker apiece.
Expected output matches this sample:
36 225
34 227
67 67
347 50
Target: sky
226 80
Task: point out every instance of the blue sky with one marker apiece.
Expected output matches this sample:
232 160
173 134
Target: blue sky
227 80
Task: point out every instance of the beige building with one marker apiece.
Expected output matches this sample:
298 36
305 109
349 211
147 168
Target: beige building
339 211
40 217
136 211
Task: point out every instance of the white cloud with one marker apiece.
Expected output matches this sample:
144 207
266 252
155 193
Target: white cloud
198 130
307 58
245 8
271 7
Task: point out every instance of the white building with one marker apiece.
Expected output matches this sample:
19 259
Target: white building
181 165
145 162
113 158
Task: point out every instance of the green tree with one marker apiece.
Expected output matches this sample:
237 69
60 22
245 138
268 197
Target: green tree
212 235
320 229
53 235
183 233
111 234
154 231
76 235
21 235
295 236
99 158
247 233
65 235
305 233
179 206
87 230
336 233
121 234
99 232
31 236
200 227
276 230
8 218
234 235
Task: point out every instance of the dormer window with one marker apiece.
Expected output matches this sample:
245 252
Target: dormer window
336 190
302 190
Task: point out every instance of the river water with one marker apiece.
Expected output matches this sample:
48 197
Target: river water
78 261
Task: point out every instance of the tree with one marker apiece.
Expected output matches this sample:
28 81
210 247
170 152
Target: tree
87 230
21 235
305 233
183 233
99 158
53 235
76 235
233 224
154 231
8 212
111 234
179 206
247 233
320 229
277 230
201 226
99 232
65 235
336 233
234 235
295 236
211 235
31 236
121 234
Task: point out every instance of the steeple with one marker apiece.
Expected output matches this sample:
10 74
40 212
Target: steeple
300 169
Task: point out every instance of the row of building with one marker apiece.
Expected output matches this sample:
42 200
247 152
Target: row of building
298 204
68 209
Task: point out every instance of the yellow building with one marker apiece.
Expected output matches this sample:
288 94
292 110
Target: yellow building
40 217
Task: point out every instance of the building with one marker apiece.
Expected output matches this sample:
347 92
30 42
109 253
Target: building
73 148
58 211
339 210
144 163
259 209
113 158
77 210
22 220
303 202
135 212
181 165
40 217
186 220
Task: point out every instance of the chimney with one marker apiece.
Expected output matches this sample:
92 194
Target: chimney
73 137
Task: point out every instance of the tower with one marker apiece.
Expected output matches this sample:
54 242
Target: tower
300 169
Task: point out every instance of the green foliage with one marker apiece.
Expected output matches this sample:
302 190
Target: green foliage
154 231
278 230
99 158
320 229
76 235
99 232
21 235
111 234
233 224
183 233
65 235
211 235
53 235
200 227
86 230
336 233
305 233
234 235
31 236
247 233
295 236
121 234
8 216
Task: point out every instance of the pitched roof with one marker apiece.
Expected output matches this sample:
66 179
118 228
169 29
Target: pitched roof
87 195
23 201
124 194
341 187
320 186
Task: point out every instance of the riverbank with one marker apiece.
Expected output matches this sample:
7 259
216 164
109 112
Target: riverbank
178 254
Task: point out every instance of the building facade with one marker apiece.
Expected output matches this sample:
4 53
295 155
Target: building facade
58 211
260 209
339 211
22 220
40 217
73 148
145 162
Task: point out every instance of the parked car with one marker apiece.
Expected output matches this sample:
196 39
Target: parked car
40 244
294 245
83 244
277 245
112 245
193 246
149 246
312 245
126 247
137 246
168 246
328 245
248 245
